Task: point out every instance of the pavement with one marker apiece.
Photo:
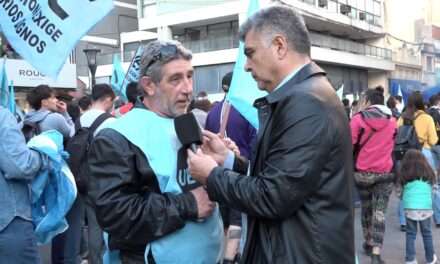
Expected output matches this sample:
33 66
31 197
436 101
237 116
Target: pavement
393 251
394 243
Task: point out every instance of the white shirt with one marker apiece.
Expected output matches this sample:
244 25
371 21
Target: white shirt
87 119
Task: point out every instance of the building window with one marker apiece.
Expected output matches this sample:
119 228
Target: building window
352 3
311 2
130 49
208 78
209 37
429 64
377 10
369 6
333 6
437 64
369 11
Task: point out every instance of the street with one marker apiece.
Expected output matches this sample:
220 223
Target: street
394 243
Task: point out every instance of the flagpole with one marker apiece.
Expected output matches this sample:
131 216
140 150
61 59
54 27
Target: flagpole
226 107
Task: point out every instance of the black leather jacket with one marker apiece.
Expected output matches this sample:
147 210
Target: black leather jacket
129 204
298 197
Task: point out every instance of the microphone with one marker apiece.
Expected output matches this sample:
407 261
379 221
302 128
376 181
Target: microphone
188 131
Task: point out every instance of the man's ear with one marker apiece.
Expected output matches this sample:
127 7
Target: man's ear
280 44
44 102
148 86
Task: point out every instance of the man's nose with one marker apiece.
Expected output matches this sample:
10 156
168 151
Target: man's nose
247 66
187 86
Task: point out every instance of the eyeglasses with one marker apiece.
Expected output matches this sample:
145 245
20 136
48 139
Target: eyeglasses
167 50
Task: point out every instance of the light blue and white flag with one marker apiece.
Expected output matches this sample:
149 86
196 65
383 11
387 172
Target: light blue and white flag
244 90
4 87
45 32
340 92
117 78
133 71
11 103
399 93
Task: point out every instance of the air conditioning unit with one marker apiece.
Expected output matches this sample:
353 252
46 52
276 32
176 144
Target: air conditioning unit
362 16
322 3
345 9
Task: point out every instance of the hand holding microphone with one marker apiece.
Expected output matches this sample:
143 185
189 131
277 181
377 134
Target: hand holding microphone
188 131
199 164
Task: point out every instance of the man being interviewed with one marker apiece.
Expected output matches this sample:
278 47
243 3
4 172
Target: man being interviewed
144 198
298 195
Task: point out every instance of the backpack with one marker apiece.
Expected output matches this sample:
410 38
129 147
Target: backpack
406 139
78 147
31 128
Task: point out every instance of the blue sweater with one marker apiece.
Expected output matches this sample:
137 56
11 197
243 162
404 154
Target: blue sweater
417 195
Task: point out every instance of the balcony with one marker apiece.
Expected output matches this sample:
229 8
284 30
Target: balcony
407 58
329 42
429 78
362 10
354 19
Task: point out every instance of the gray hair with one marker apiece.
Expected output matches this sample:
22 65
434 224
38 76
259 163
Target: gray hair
279 19
152 51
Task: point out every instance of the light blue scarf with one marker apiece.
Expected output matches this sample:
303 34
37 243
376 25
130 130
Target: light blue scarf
196 242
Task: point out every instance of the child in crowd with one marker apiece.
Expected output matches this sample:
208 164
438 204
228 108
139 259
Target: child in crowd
417 177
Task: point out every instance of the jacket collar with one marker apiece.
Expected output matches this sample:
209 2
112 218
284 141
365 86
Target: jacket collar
306 72
140 104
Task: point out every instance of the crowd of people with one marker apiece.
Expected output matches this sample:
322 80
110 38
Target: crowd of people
279 194
381 168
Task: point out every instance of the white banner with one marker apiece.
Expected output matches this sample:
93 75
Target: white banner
24 75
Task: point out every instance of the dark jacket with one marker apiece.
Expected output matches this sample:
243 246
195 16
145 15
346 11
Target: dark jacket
237 128
126 193
435 113
298 197
243 134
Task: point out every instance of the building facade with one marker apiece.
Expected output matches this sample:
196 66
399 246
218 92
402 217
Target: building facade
343 34
412 35
24 76
106 36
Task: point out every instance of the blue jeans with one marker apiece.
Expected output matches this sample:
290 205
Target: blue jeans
18 243
411 233
95 235
401 213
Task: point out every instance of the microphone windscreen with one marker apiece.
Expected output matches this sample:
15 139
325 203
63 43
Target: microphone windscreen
188 130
